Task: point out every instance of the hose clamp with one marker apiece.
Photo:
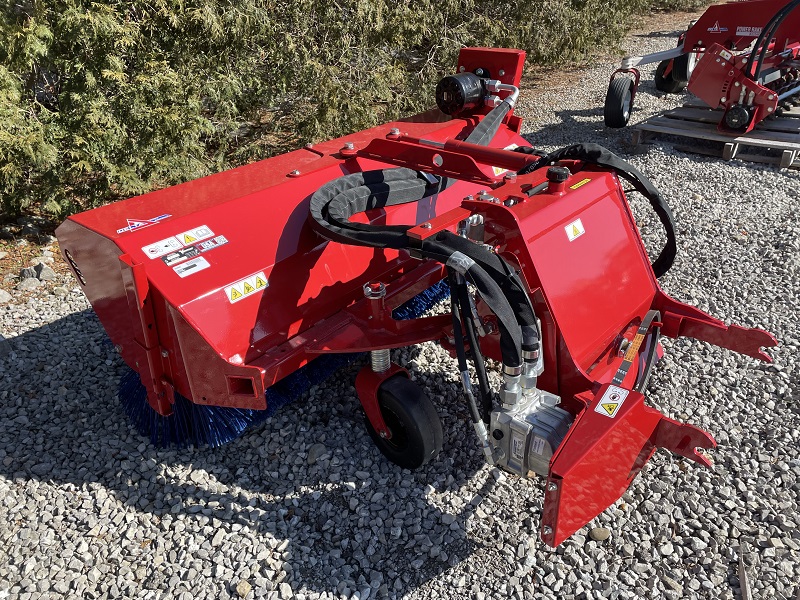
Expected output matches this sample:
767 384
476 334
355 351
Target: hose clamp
512 371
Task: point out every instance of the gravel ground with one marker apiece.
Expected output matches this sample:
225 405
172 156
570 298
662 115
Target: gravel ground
300 507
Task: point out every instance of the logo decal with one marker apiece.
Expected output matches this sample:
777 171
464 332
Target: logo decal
134 224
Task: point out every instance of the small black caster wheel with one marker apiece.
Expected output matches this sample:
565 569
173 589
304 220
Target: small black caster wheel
619 102
412 419
683 66
668 83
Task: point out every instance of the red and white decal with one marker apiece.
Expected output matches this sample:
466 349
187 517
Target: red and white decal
134 224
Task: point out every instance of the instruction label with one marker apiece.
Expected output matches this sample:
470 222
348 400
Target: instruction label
611 401
538 445
574 230
173 258
176 242
191 267
246 287
162 247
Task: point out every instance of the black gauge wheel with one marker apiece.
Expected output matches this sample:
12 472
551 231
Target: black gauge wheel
682 67
619 102
667 83
412 419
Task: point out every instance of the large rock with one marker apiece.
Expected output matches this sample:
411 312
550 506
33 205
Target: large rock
5 297
28 284
44 273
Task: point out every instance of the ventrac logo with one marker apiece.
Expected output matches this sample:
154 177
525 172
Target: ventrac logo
134 224
716 28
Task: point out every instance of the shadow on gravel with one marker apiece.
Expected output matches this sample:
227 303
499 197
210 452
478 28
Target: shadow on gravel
61 424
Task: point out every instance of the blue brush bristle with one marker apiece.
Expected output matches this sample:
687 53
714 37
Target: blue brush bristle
199 425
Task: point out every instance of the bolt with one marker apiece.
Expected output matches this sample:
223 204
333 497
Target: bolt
295 173
309 146
461 69
546 530
383 434
374 290
501 72
469 198
510 177
479 72
771 97
552 487
736 84
723 99
164 353
349 146
769 109
426 225
394 131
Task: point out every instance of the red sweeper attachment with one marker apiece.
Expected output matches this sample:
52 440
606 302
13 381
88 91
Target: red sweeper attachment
230 294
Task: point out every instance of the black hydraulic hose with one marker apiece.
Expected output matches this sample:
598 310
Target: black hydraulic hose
458 338
764 38
601 156
490 291
507 278
462 292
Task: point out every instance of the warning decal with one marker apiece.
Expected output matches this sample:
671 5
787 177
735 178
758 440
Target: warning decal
611 401
194 235
500 170
246 287
581 183
161 247
574 230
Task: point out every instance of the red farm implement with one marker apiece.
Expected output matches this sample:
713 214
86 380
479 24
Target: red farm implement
740 57
229 295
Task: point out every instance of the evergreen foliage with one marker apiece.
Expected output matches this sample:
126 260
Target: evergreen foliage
108 98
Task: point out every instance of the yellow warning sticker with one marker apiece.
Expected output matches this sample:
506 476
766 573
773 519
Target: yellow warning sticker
500 170
195 235
582 182
610 407
246 287
574 230
612 400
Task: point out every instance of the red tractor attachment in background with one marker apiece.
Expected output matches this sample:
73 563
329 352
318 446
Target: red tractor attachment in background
220 289
741 57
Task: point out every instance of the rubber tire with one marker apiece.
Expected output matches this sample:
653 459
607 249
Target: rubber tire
412 418
620 92
682 67
668 84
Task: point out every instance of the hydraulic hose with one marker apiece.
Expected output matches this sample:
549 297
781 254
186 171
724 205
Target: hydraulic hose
456 280
762 41
461 292
601 156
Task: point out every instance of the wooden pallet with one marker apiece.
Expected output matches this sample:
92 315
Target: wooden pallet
696 121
